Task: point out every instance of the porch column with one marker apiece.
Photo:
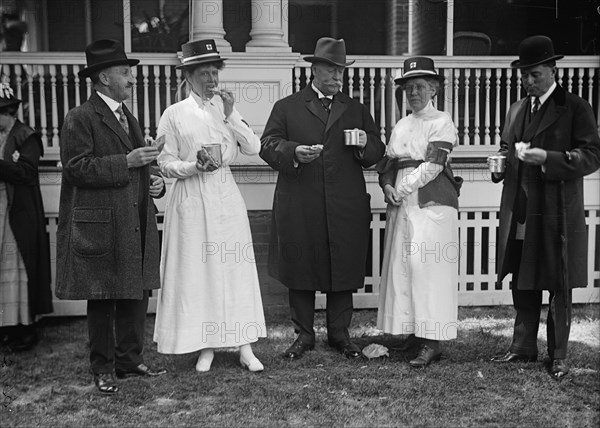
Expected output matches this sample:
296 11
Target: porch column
267 33
207 23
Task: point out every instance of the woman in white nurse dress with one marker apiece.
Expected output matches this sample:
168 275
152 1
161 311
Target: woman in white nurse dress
210 296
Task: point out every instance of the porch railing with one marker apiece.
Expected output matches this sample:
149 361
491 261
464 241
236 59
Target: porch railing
477 90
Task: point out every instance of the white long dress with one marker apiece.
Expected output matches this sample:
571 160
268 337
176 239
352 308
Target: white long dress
210 295
419 280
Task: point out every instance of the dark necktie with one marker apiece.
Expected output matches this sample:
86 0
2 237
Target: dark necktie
326 103
123 119
535 107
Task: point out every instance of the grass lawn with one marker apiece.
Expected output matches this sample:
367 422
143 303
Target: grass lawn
51 385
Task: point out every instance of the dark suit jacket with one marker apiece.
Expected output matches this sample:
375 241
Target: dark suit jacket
321 210
554 194
107 239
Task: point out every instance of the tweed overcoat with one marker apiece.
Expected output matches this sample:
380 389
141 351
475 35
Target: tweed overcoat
107 240
321 209
26 213
565 123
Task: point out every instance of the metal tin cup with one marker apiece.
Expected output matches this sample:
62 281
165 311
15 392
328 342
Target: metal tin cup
497 163
351 137
214 153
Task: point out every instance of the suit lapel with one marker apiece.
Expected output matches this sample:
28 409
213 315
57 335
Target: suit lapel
314 105
109 119
338 107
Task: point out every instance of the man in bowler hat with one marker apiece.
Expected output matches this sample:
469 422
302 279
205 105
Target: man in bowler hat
107 239
321 209
551 142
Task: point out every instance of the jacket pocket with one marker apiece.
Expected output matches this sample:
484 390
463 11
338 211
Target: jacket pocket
92 231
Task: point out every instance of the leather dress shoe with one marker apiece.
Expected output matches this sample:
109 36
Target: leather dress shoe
559 368
409 343
425 357
141 370
106 383
349 349
297 350
511 357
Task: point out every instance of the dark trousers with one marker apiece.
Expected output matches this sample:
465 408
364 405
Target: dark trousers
339 315
116 333
528 304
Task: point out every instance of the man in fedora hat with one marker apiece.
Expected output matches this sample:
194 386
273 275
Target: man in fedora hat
321 209
107 239
551 142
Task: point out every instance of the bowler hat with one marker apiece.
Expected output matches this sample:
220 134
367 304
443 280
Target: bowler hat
199 52
535 50
331 51
417 66
105 53
7 96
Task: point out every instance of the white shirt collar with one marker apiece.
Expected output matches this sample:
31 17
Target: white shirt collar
544 97
112 104
319 93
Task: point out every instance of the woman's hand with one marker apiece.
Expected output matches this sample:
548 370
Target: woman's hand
205 162
392 196
156 185
228 101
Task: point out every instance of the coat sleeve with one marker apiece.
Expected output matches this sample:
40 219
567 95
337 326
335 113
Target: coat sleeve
25 170
169 160
583 155
246 138
375 149
81 166
276 149
504 149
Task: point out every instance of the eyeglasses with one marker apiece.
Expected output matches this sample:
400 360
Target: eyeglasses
419 88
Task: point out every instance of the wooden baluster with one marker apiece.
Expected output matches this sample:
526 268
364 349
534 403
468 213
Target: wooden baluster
591 75
476 125
498 75
486 119
146 100
30 96
77 82
43 118
157 108
361 85
393 105
570 80
18 82
134 98
307 76
350 82
455 105
382 104
466 108
580 83
167 86
559 75
178 95
64 71
372 92
54 105
509 73
447 85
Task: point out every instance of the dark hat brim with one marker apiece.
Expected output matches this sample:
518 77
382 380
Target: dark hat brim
88 71
517 63
199 61
315 59
7 103
402 80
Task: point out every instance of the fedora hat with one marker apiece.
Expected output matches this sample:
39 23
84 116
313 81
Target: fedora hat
535 50
7 96
105 53
417 66
331 51
199 52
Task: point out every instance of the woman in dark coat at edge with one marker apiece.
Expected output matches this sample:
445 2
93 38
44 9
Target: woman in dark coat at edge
25 292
